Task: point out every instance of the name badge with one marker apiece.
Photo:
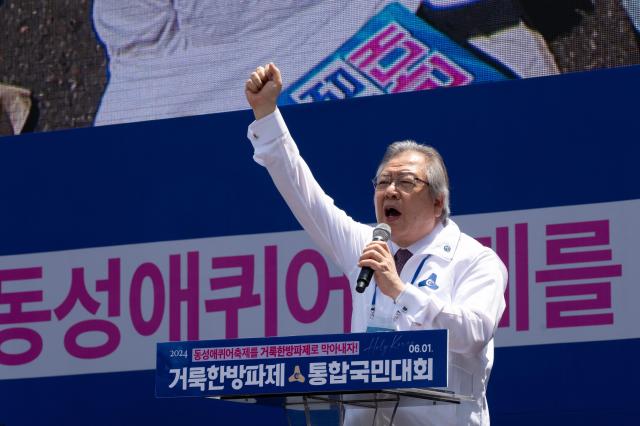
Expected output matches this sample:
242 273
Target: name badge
377 324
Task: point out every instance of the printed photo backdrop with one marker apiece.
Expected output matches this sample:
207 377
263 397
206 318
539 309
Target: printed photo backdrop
78 63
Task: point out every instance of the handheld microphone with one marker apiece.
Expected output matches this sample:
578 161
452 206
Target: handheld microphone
382 232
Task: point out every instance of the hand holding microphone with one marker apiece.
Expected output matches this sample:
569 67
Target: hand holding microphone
382 232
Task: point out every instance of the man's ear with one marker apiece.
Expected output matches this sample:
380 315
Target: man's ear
438 206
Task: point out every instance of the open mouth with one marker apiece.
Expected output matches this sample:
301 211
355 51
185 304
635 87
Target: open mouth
391 213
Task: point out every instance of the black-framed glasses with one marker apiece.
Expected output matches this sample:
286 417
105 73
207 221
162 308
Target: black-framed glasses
404 182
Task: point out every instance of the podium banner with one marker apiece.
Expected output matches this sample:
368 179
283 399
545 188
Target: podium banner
300 364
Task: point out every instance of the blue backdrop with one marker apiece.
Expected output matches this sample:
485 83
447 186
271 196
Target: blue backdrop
552 141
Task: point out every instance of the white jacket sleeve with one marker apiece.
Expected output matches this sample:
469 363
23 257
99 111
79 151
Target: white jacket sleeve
477 303
337 235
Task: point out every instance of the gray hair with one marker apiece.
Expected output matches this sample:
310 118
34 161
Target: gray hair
436 170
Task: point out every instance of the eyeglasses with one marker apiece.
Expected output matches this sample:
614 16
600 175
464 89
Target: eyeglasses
404 182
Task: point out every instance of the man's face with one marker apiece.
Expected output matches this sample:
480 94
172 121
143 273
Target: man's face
410 212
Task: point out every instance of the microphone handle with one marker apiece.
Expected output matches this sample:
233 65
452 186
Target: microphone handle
364 279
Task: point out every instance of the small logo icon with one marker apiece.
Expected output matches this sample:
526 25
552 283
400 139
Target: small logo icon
429 282
297 375
447 248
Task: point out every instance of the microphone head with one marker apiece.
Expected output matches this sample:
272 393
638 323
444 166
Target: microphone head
382 232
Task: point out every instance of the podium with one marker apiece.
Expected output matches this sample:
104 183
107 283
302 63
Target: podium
392 399
379 372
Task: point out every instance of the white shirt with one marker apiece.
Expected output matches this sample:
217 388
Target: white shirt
467 297
173 58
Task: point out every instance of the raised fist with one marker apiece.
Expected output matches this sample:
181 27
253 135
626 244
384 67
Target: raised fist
262 90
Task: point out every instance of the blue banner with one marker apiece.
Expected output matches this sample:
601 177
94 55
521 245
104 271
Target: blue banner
300 364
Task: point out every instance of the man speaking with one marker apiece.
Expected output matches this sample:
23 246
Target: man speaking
429 275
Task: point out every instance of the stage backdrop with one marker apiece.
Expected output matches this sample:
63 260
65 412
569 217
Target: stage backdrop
115 238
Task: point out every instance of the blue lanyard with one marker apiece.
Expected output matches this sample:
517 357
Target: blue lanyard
413 280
